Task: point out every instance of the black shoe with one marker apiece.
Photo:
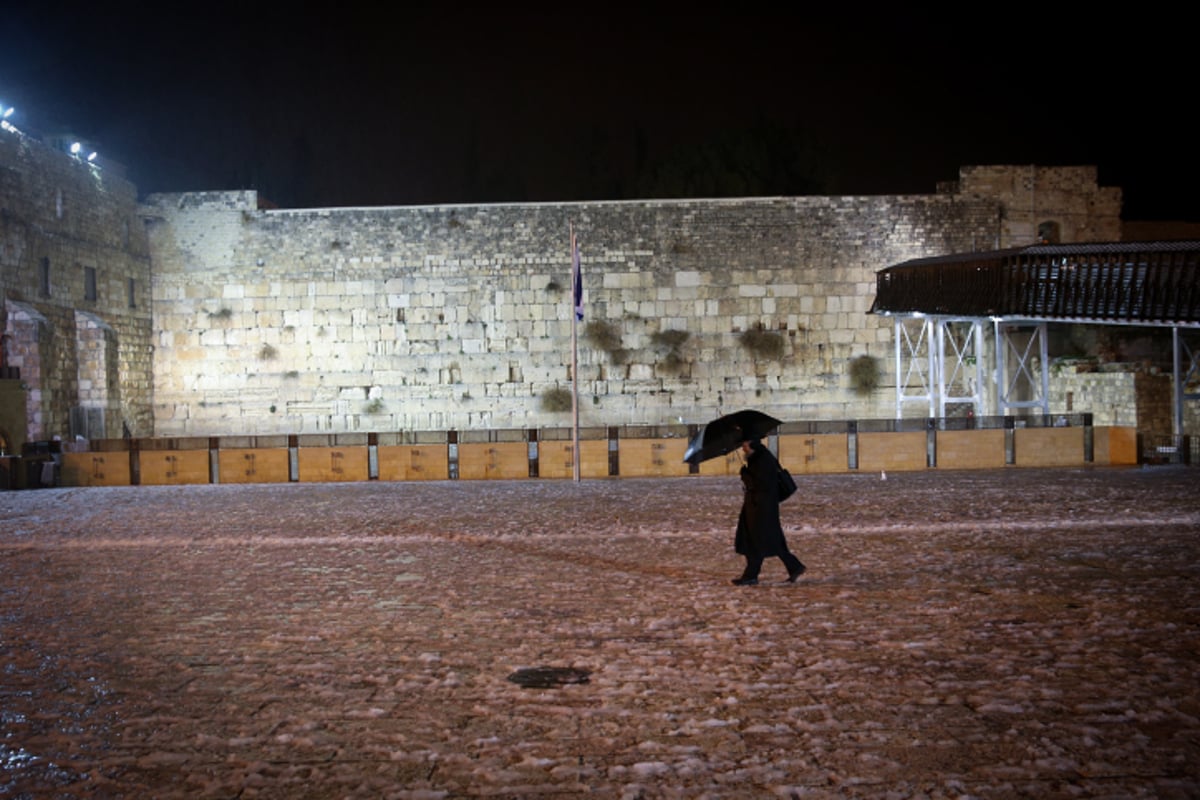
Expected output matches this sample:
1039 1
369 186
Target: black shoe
745 581
796 573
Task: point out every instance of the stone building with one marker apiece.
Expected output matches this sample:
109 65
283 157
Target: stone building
75 310
208 314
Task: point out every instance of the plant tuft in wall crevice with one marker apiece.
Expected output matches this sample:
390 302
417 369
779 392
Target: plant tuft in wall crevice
762 343
606 336
670 343
556 399
864 374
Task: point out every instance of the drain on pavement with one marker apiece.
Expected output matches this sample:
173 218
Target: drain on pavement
548 677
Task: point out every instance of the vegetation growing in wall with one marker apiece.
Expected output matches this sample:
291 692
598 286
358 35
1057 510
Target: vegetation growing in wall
267 352
374 407
556 399
222 313
670 343
762 343
553 286
864 374
606 336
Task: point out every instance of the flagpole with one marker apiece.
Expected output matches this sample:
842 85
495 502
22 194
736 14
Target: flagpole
576 275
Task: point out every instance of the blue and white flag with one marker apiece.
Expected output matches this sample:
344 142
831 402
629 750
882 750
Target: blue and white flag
577 281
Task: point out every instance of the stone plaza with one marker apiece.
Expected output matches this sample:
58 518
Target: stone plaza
972 634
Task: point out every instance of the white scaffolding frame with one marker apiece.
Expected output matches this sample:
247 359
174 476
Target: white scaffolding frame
939 357
1019 387
1181 349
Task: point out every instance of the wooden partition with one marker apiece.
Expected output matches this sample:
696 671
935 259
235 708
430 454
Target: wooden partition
172 462
524 455
253 465
334 458
814 453
1115 446
1049 447
973 449
730 464
652 457
414 462
105 464
555 459
899 451
493 460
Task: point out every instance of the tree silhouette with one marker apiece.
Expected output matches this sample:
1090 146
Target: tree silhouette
765 159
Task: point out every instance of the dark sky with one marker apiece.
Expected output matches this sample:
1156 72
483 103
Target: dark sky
382 104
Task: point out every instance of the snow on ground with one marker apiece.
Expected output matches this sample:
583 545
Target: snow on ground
998 634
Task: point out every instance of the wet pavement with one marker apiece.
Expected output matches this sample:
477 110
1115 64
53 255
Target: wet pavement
999 634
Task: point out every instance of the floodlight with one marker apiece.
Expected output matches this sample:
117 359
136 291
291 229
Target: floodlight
76 147
92 156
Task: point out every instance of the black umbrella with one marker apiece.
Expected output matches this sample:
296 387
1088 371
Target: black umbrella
726 434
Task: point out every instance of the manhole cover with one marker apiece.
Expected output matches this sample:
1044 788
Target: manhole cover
548 677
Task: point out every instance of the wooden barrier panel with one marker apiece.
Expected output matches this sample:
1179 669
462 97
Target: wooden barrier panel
493 460
1115 446
253 465
554 459
815 453
331 464
978 449
95 468
1048 447
641 458
414 462
729 464
898 451
172 467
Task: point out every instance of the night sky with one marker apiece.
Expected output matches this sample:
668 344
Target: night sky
382 104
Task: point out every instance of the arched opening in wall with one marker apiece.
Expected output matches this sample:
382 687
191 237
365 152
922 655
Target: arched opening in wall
99 372
26 331
1049 232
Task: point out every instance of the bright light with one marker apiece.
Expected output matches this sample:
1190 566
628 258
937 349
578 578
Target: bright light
75 148
8 112
92 156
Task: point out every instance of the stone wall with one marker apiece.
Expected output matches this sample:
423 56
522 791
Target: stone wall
74 293
1051 204
202 314
458 317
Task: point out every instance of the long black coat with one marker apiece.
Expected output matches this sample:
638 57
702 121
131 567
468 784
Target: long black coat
759 533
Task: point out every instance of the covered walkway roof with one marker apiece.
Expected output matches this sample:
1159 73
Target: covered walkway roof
1134 283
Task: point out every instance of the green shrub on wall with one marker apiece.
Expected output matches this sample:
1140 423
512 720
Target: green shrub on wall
670 343
606 336
556 400
762 343
864 374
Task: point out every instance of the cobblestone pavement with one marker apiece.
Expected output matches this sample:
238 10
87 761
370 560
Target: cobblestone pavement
1002 634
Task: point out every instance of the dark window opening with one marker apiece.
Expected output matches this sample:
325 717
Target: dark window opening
1048 232
89 283
132 293
44 277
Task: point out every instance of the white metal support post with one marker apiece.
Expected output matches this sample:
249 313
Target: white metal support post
959 344
1185 375
914 363
1020 387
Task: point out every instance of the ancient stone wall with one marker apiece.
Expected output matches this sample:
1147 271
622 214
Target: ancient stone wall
1051 204
73 261
200 314
458 317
